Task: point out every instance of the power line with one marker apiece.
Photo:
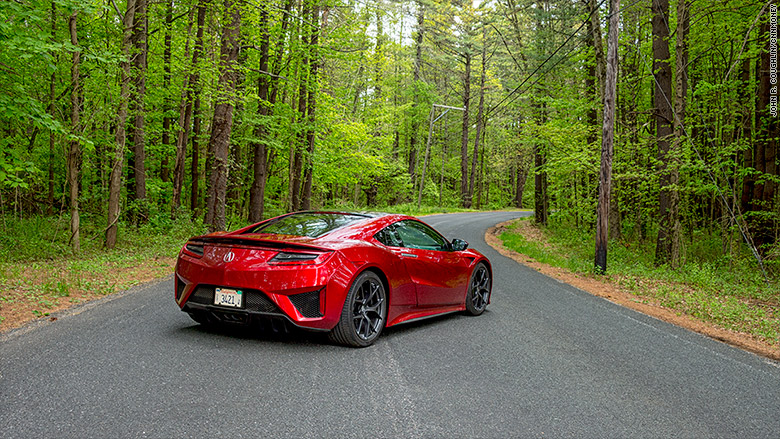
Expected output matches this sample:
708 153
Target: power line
572 35
561 59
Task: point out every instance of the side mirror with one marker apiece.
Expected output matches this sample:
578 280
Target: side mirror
458 245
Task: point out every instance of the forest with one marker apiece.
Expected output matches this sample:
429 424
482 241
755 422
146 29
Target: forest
124 112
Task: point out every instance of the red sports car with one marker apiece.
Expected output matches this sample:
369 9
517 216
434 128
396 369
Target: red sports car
350 274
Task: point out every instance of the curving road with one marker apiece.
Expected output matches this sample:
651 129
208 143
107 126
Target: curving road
545 360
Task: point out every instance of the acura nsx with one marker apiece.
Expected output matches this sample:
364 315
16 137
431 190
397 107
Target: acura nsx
350 274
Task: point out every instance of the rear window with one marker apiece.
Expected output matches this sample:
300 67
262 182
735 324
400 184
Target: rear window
309 224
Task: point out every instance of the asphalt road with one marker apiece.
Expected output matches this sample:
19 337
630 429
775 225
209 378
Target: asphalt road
545 360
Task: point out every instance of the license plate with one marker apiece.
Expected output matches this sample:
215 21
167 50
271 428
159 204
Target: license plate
227 297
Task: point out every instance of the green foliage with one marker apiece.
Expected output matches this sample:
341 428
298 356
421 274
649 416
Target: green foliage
15 172
347 152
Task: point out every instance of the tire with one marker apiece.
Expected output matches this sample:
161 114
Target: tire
364 314
480 287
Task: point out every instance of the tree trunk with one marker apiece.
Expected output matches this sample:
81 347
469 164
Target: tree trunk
481 173
115 180
185 111
312 106
427 156
540 185
607 139
260 161
412 163
540 176
680 91
222 125
520 179
233 196
762 103
74 154
296 164
663 119
194 166
167 120
266 87
378 53
138 94
480 122
52 100
465 198
396 124
747 121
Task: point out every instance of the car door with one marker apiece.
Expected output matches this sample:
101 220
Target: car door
439 275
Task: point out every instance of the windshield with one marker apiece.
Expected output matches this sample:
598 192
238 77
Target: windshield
311 224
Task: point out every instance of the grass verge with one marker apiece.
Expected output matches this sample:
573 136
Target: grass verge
729 293
40 274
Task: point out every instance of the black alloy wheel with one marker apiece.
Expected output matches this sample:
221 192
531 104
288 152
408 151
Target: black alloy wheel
479 290
364 313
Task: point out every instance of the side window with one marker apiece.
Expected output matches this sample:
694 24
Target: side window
389 237
415 234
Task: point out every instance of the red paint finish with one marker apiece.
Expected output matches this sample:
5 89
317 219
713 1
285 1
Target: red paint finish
419 282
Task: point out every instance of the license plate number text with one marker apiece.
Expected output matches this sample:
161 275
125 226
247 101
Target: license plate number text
228 297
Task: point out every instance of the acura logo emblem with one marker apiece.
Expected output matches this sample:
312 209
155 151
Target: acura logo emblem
229 257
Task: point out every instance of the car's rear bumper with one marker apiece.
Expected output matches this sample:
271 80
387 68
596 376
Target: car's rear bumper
302 310
309 297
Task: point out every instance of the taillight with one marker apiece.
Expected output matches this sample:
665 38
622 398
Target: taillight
294 258
196 249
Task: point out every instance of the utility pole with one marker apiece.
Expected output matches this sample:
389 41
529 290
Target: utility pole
607 140
428 144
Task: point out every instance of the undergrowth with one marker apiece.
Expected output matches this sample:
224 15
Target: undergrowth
39 270
41 238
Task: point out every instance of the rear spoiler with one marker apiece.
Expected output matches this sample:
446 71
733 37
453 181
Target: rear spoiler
263 243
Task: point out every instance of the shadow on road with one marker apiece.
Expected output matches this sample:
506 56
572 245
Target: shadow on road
299 337
290 336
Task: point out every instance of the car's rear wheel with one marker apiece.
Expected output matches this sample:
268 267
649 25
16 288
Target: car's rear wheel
480 287
364 314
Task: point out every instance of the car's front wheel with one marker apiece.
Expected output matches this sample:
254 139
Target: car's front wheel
480 287
364 313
